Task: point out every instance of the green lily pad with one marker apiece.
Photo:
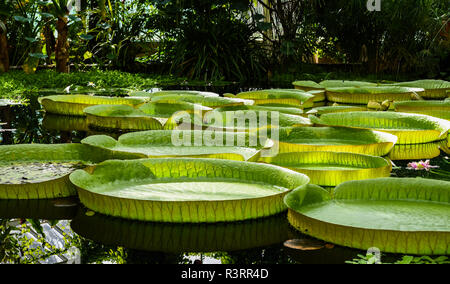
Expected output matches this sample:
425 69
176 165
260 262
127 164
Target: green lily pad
186 190
291 97
335 139
332 168
279 108
307 85
245 120
208 101
40 171
395 215
415 151
364 95
184 143
171 92
439 109
434 89
344 84
121 117
75 104
409 128
331 109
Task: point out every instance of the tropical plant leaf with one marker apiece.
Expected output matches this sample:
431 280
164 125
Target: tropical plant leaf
332 168
75 104
396 215
184 143
409 128
335 139
186 190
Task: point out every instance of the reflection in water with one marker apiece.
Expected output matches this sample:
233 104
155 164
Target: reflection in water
48 209
180 238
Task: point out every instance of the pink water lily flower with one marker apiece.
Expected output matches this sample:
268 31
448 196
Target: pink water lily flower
421 165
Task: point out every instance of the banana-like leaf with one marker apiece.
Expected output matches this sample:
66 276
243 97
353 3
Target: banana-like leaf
121 117
184 143
186 190
332 168
65 122
307 86
434 89
331 109
409 128
291 97
48 209
208 101
40 171
415 151
344 84
364 95
395 215
439 109
182 238
335 139
171 92
75 104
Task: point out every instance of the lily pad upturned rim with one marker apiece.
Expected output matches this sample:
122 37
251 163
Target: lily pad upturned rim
359 166
379 144
45 153
422 129
121 117
75 104
410 240
143 171
132 142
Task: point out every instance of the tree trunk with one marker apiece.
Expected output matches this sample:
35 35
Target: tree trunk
4 56
62 46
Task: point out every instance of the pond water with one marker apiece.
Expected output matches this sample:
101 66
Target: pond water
63 231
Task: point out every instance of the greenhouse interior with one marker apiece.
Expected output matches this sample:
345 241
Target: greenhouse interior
232 132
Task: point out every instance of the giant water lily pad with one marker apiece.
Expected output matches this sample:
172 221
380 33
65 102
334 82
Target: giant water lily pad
167 110
396 215
439 109
208 101
278 108
121 117
345 83
415 151
364 95
409 128
171 92
40 171
182 238
332 109
335 139
332 168
184 143
434 89
243 120
307 86
290 97
75 104
186 190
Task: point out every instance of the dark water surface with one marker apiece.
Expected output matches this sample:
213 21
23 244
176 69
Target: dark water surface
77 235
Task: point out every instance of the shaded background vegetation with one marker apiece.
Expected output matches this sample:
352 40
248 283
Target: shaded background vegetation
234 40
